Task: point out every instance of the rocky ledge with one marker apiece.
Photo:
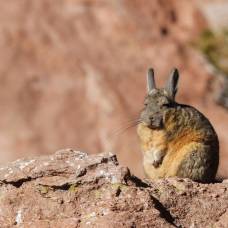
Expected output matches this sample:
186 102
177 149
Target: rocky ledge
73 189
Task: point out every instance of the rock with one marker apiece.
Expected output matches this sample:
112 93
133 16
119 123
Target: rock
73 189
221 90
223 221
216 12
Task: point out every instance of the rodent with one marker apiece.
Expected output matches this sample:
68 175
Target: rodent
176 139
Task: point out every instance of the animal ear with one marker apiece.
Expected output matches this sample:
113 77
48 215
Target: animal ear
150 80
171 86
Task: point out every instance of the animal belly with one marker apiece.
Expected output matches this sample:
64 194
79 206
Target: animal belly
167 168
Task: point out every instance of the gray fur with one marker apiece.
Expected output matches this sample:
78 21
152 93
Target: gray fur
171 86
150 80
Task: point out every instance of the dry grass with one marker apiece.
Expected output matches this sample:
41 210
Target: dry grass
214 45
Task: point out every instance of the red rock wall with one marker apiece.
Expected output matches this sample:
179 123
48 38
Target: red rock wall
73 72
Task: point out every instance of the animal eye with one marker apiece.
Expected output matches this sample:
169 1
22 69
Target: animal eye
167 105
146 103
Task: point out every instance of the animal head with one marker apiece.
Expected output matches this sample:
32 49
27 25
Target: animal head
158 101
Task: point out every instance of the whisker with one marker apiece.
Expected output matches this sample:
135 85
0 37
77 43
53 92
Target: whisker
134 117
125 128
136 114
134 121
129 121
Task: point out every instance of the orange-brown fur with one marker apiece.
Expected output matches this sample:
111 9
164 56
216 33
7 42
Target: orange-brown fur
176 139
183 133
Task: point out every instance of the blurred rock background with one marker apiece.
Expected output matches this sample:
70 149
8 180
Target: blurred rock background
72 72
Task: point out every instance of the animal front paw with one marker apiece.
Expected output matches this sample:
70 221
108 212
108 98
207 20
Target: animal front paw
154 157
156 163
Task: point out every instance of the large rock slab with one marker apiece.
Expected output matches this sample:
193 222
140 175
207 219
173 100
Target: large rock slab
73 189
